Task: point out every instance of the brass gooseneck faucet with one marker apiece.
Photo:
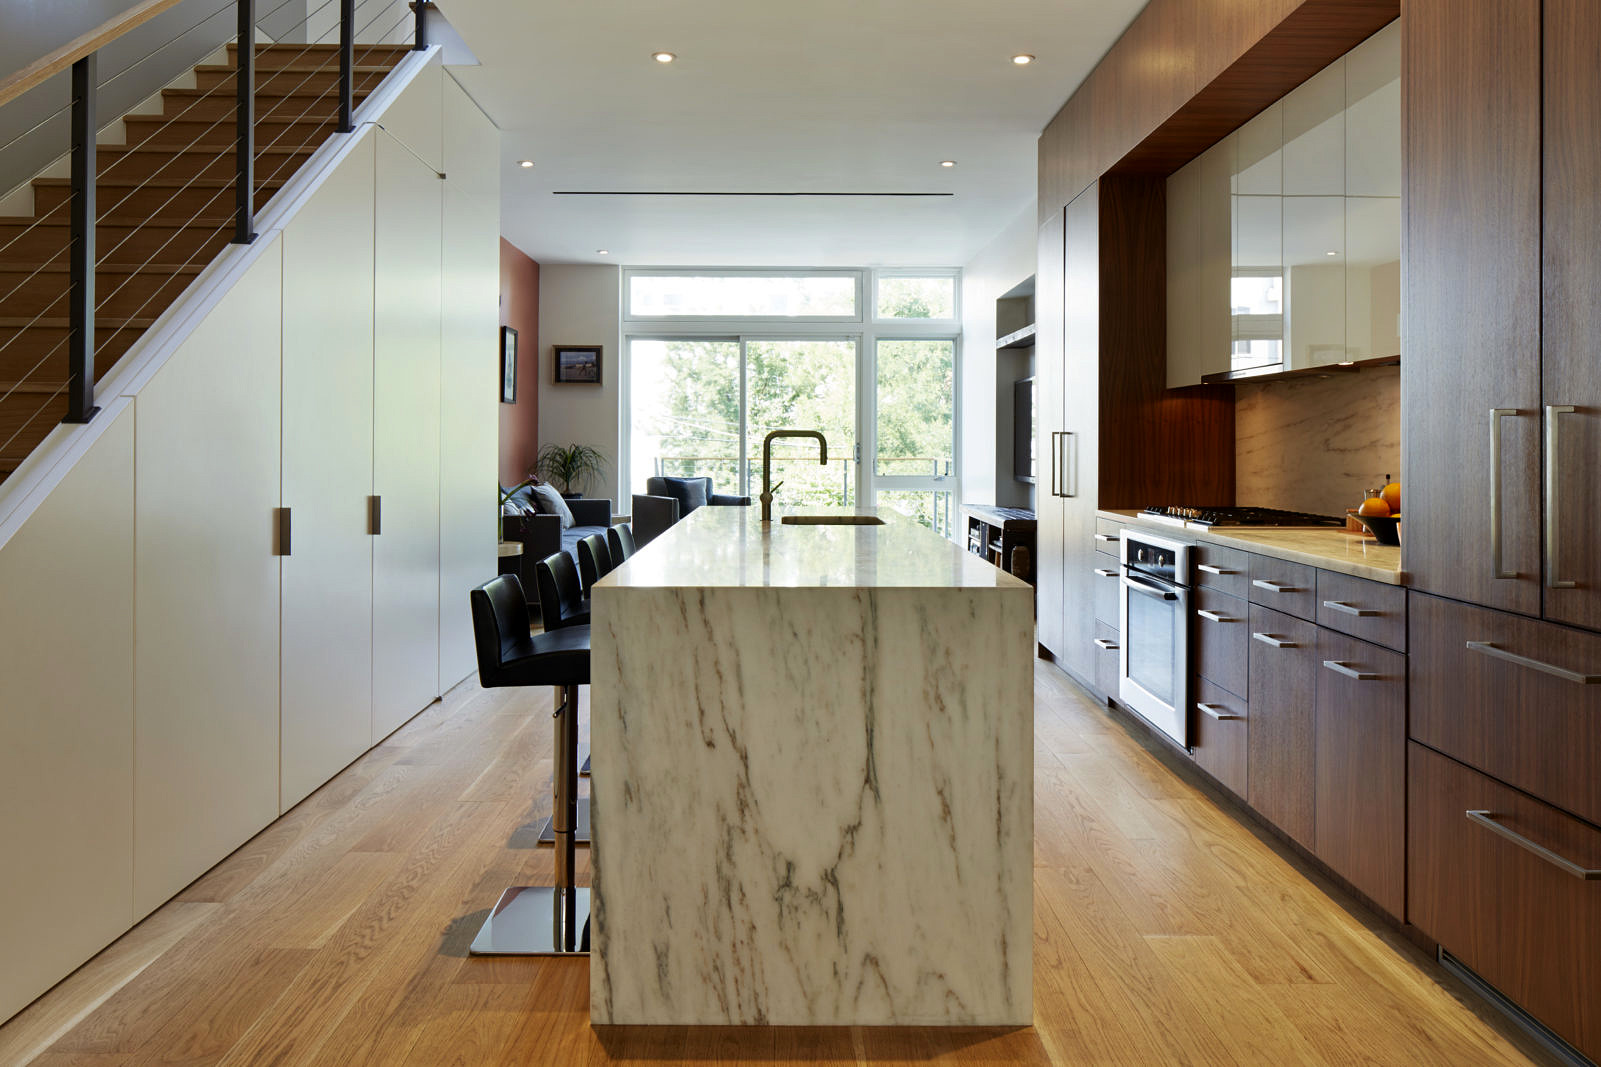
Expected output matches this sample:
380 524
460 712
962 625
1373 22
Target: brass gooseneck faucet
767 464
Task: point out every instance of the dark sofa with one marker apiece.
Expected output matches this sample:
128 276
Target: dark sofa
542 535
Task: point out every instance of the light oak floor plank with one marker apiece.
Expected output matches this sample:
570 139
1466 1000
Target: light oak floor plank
1168 928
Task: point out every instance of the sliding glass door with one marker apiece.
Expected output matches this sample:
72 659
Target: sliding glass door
686 416
915 428
802 385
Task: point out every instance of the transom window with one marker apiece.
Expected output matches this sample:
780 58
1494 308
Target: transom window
832 295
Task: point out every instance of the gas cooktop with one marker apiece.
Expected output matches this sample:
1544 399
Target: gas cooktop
1240 517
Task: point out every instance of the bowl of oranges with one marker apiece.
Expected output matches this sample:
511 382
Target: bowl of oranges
1380 513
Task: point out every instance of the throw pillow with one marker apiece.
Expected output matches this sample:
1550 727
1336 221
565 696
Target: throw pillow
689 492
550 502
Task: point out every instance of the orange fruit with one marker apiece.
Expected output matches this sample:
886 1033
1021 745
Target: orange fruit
1374 507
1392 497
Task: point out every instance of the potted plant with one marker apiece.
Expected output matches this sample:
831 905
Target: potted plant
569 466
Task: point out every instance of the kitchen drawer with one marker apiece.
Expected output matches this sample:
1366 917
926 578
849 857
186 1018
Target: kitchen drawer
1107 601
1107 536
1526 925
1106 659
1225 569
1220 735
1511 696
1361 766
1282 739
1372 611
1222 639
1284 586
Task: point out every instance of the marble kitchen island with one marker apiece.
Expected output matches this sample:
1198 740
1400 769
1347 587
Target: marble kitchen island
813 770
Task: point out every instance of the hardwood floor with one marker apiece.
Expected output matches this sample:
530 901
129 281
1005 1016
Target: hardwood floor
1165 932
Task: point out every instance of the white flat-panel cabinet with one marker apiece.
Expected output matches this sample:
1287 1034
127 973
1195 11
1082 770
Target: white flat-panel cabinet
405 561
469 375
326 665
207 461
1049 308
66 722
1200 238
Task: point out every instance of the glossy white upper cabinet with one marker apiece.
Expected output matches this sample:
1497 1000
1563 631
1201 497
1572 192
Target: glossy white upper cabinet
1311 217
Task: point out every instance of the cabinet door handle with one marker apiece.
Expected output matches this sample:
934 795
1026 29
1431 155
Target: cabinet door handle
1055 474
1210 569
1487 820
1496 652
1066 464
1553 495
375 515
1274 587
1217 711
282 527
1496 566
1105 573
1149 590
1351 609
1107 538
1269 639
1105 645
1351 672
1212 616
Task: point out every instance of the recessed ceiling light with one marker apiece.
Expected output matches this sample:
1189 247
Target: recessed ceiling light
1022 59
602 252
1331 253
525 163
947 162
663 57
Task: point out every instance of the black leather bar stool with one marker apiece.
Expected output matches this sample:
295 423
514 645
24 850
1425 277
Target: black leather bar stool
594 560
537 920
561 598
620 539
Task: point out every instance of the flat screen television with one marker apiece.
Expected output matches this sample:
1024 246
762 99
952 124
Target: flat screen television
1023 429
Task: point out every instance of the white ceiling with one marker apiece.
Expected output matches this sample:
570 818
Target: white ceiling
772 96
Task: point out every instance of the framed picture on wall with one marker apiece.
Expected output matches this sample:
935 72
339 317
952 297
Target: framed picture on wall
577 363
508 365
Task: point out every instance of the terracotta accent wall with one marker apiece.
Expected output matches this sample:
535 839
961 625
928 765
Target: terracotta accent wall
519 309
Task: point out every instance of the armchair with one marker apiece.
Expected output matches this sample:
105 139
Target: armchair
666 500
542 535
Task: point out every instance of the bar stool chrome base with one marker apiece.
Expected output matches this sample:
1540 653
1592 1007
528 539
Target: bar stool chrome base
547 830
536 921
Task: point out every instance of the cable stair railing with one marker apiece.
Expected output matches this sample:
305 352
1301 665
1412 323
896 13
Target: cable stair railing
98 261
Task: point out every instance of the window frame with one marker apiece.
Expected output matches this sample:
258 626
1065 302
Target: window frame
953 273
630 273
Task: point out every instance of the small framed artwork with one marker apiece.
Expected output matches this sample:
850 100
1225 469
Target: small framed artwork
577 363
508 365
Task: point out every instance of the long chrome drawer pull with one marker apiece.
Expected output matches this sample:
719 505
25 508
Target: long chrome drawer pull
1106 646
1269 639
1055 456
1104 538
1210 569
1212 616
1486 819
1553 495
1149 590
1535 665
1217 711
1496 567
1105 572
1348 609
1274 587
1350 672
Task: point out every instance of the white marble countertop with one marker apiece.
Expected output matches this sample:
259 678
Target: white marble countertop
722 547
1329 549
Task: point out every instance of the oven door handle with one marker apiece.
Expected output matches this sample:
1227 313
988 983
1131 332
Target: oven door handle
1149 590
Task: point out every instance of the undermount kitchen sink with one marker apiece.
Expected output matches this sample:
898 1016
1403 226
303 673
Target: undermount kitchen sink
831 520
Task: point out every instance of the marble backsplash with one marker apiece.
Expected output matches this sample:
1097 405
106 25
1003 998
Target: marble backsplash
1315 444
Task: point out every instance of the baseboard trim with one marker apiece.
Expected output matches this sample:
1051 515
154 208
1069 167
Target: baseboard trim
1541 1034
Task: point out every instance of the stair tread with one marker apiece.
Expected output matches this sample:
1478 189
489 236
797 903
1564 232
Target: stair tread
228 94
221 146
61 321
155 220
261 120
153 183
229 68
66 268
32 388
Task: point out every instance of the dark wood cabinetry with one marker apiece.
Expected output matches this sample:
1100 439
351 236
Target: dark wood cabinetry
1281 739
1514 915
1222 729
1372 611
1284 586
1222 635
1361 766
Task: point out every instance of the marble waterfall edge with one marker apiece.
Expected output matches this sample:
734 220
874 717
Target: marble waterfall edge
813 806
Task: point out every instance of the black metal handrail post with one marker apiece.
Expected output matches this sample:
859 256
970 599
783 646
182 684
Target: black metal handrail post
245 108
347 65
419 37
81 299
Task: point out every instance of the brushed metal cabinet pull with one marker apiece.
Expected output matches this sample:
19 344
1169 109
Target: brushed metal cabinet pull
1553 495
282 529
1217 711
1487 820
1497 568
1212 616
1351 609
1269 639
1055 474
1210 569
1105 538
1497 652
1066 464
1351 672
1274 587
1106 645
1105 573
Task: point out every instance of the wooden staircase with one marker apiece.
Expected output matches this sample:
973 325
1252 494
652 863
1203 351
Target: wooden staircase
165 205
